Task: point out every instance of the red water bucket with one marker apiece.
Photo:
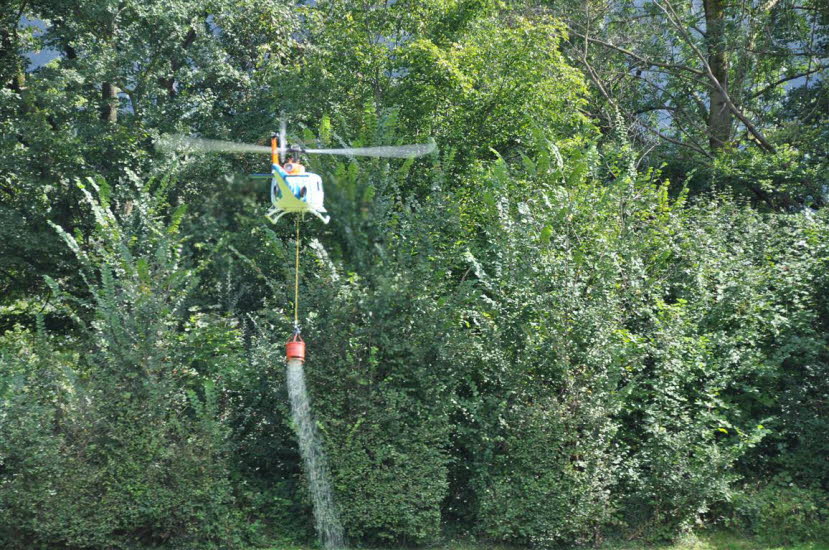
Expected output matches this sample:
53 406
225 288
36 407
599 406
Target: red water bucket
295 348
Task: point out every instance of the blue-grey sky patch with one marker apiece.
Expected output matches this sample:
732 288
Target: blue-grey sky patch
37 58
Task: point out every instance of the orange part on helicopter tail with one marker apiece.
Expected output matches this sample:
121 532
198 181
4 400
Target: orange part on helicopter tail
295 348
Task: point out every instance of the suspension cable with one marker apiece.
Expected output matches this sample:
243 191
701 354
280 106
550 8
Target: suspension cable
296 280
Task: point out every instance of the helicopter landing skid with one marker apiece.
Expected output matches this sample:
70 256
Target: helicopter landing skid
275 213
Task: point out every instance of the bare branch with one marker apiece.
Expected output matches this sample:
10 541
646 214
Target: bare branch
669 139
784 80
644 61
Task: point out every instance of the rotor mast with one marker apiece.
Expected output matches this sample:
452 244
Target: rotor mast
274 149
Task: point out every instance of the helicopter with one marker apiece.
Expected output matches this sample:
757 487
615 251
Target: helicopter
293 189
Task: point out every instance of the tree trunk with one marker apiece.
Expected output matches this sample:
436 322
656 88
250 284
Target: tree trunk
719 115
109 106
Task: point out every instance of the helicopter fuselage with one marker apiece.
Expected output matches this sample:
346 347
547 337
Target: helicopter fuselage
296 193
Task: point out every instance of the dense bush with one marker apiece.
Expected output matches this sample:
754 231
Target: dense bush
121 444
781 512
535 359
379 393
533 362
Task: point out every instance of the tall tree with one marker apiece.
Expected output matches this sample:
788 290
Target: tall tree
699 78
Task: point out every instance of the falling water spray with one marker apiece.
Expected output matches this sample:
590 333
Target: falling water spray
326 519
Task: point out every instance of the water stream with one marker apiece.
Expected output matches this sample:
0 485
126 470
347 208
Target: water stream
326 519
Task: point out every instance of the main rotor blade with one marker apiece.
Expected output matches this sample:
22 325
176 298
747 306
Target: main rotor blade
179 142
391 151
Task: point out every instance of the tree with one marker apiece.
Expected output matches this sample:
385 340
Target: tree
703 79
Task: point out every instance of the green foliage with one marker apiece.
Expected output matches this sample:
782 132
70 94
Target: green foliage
690 314
128 448
781 512
378 392
782 180
170 70
490 89
533 361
